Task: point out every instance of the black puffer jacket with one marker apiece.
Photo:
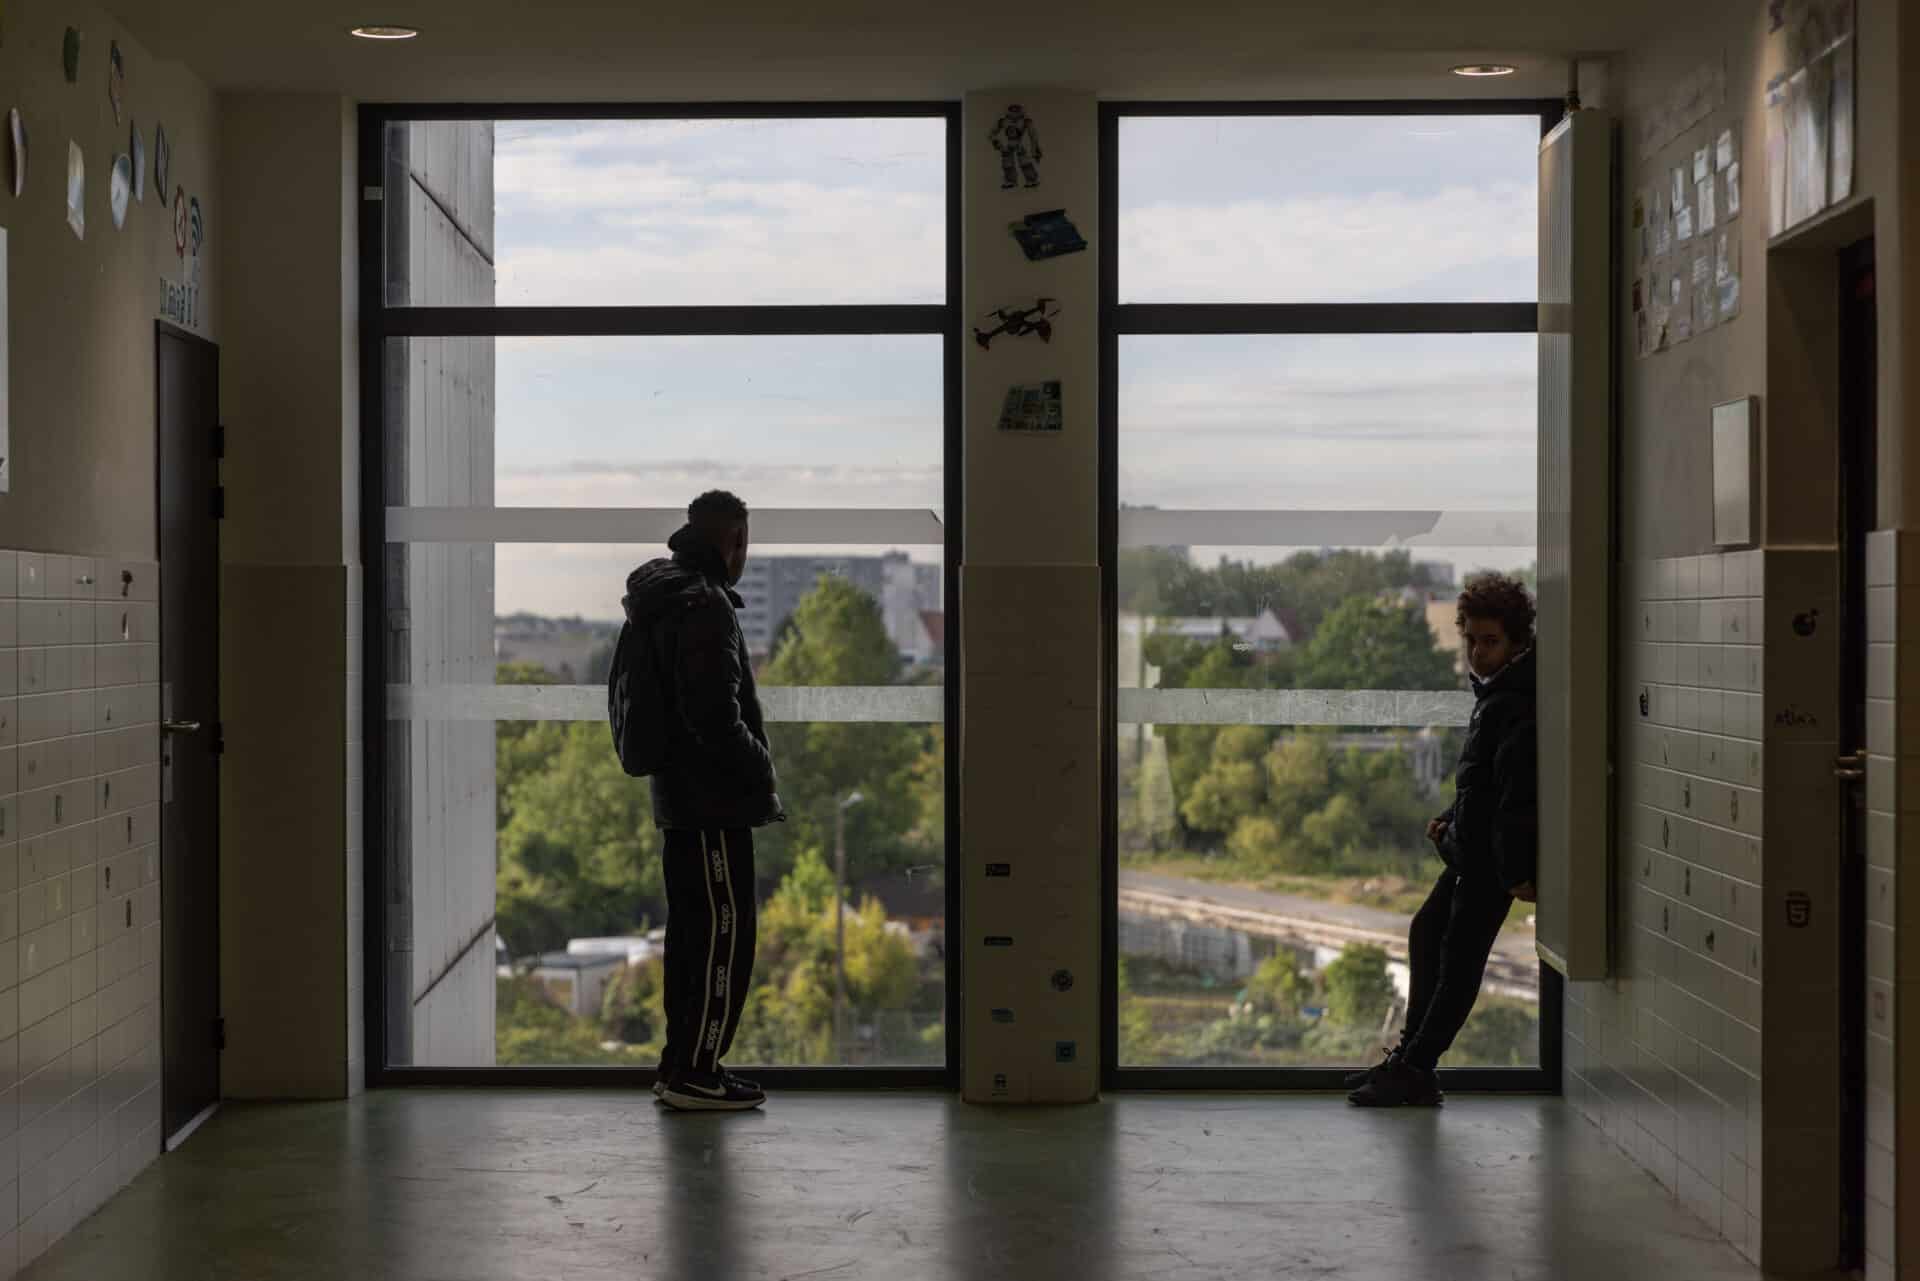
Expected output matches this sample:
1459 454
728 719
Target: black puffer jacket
1493 826
720 771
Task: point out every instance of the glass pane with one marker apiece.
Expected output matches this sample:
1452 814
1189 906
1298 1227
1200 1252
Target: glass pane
815 421
666 212
1291 710
536 899
1275 209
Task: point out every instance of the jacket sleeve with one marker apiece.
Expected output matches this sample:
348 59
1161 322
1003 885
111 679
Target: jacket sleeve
707 679
1515 821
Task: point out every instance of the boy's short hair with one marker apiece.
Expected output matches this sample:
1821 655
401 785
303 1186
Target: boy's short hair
1502 598
716 510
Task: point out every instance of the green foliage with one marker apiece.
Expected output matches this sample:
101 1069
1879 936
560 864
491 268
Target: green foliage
1501 1032
531 1028
578 851
1278 987
633 1008
836 636
1368 643
788 1016
1307 585
1359 990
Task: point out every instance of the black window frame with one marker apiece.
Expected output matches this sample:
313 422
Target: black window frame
1116 319
380 322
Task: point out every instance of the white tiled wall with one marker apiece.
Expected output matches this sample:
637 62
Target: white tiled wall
79 890
1893 730
1666 1057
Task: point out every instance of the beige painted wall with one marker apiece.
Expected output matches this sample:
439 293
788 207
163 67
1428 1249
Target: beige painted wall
290 807
81 313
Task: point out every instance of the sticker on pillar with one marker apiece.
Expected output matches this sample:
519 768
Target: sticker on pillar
76 190
180 222
1017 141
162 159
1017 322
196 225
116 79
1064 1051
1033 407
998 940
120 190
999 869
137 150
1049 234
1002 1015
70 55
17 127
999 1083
1799 909
1062 980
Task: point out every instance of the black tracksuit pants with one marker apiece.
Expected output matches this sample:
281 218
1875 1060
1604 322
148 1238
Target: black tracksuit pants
710 937
1453 934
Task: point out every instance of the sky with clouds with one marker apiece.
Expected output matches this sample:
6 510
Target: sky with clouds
1255 209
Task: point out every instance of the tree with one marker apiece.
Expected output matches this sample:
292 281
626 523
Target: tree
578 852
1367 643
1278 987
1359 989
788 1017
837 637
633 1008
531 1028
1501 1032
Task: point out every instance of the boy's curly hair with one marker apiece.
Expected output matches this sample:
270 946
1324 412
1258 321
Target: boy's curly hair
1502 598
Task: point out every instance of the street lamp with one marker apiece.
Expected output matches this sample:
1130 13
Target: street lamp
847 802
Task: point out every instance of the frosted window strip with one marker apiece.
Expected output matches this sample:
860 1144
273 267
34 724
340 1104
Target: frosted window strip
923 704
1145 527
785 526
858 704
1413 709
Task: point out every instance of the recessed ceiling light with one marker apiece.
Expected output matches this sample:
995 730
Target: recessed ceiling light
380 31
1483 69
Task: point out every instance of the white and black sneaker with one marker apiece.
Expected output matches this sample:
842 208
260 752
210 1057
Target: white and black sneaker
711 1092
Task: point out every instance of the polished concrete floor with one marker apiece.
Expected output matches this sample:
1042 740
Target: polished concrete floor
420 1185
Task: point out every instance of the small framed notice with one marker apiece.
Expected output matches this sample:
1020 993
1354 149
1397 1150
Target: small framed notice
1736 460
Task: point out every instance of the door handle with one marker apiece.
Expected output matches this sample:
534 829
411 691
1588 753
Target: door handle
1850 768
180 727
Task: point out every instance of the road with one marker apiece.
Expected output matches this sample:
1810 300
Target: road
1244 907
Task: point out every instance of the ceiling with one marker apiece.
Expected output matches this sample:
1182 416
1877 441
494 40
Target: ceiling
580 50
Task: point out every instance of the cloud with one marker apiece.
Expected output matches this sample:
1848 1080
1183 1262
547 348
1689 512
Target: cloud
607 483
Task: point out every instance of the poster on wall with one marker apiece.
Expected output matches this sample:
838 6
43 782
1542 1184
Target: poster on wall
120 189
1810 108
137 149
76 190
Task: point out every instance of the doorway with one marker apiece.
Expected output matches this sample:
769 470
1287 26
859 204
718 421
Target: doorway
187 396
1858 517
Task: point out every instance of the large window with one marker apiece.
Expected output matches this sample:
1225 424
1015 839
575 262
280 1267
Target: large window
573 326
1320 383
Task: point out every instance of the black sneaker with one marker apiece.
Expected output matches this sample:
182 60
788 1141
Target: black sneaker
741 1082
710 1092
1357 1079
1398 1083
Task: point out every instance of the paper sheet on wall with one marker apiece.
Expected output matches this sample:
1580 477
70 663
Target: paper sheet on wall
1679 188
1683 226
1729 298
76 190
1726 149
1732 177
1706 302
1704 198
1680 323
1702 164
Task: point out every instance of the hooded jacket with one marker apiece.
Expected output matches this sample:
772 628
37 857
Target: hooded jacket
1493 826
719 770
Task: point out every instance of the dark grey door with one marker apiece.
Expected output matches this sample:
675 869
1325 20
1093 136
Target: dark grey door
1859 469
187 381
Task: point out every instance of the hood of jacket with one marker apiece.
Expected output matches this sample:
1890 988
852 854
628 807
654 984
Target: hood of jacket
693 570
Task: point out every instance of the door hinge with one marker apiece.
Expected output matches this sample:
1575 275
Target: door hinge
220 440
219 1034
219 502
